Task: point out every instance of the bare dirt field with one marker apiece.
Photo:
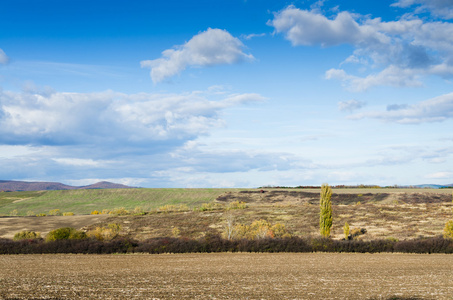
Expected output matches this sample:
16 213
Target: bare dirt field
227 276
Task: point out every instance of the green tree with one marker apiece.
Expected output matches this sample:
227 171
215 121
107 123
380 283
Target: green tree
65 233
325 214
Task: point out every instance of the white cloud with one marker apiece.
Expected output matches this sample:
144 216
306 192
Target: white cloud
308 28
3 58
134 182
440 8
440 175
391 76
350 105
437 109
109 118
398 53
252 35
79 162
208 48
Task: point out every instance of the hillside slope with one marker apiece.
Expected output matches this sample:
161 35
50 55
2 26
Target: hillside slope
25 186
384 213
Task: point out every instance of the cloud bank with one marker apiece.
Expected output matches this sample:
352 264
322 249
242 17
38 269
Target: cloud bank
208 48
111 118
439 8
401 51
437 109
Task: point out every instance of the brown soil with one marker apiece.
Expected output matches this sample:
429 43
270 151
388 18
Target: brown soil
338 197
227 276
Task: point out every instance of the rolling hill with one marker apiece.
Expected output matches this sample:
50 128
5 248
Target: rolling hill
14 186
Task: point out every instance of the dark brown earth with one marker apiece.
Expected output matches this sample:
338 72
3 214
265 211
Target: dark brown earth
227 276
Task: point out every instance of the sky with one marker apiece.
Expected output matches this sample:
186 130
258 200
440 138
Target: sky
227 93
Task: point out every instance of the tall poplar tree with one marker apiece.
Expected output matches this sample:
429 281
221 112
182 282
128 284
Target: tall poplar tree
325 214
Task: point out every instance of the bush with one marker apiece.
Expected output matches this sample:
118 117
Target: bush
138 210
26 235
448 230
65 233
13 213
105 233
259 229
210 206
237 205
68 213
95 212
175 232
119 211
55 212
346 230
41 215
356 232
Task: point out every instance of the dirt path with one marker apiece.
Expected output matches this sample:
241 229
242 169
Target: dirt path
11 225
227 276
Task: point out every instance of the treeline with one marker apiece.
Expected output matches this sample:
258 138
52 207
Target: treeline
359 186
218 244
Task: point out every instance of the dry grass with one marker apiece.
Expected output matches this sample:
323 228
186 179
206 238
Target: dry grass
384 215
12 225
227 276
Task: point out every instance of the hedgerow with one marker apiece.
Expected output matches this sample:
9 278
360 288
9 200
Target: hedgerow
215 243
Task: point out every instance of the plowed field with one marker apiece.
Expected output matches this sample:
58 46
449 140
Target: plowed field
227 276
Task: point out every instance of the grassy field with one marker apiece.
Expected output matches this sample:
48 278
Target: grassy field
227 276
85 201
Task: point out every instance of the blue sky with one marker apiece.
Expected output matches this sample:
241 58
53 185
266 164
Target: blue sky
238 93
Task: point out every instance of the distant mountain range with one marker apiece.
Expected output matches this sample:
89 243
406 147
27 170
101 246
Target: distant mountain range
12 186
434 186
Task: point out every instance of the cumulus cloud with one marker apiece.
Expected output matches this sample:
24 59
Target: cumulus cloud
3 58
399 52
302 27
110 118
350 105
391 76
114 136
208 48
439 8
437 109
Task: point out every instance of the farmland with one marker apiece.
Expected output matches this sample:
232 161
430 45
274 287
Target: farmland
384 213
227 276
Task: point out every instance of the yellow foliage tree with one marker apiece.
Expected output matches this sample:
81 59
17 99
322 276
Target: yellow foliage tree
325 214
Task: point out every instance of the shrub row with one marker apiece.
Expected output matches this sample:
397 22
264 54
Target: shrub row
218 244
86 246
